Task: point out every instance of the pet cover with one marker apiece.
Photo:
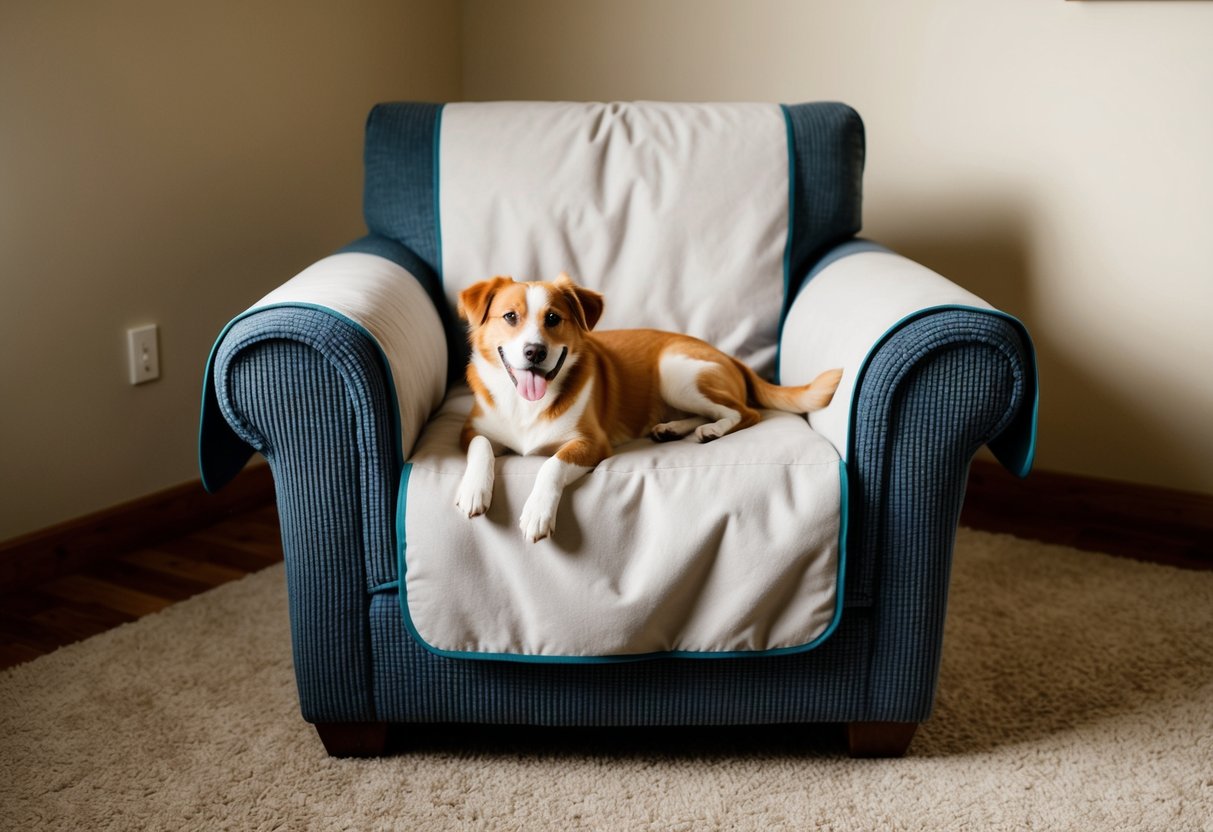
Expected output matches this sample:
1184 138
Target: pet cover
687 548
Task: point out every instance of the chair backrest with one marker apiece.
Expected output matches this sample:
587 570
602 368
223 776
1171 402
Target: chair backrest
700 218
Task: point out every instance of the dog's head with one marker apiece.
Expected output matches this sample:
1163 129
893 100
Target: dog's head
529 331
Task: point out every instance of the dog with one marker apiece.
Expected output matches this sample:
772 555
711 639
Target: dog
545 383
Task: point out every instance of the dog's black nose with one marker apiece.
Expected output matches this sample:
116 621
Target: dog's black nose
535 353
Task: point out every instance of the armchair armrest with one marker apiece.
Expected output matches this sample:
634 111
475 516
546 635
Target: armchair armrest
858 297
377 296
931 372
331 376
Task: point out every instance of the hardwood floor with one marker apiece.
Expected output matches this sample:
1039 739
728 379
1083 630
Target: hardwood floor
108 592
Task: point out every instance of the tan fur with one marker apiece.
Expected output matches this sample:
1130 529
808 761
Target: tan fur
621 367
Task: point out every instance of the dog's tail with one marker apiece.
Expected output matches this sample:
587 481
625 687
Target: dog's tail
802 399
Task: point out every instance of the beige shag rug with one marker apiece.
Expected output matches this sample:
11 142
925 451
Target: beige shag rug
1076 693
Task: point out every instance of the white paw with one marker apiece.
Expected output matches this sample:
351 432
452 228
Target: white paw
706 433
474 496
538 518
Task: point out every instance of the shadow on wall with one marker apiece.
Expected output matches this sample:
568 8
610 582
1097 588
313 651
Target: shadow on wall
1086 425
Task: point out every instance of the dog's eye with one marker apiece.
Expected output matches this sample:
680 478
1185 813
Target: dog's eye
511 318
551 319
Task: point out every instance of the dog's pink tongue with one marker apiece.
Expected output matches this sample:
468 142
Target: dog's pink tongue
531 386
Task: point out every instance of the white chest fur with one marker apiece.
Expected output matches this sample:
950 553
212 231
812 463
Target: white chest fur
525 427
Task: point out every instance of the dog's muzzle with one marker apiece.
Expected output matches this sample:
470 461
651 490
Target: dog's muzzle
531 384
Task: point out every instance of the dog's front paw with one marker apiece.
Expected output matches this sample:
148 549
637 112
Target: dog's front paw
474 496
538 518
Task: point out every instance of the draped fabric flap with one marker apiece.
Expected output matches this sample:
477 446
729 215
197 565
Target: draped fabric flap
720 548
679 213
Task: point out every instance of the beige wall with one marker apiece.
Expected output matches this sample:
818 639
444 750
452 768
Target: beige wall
172 162
169 162
1053 156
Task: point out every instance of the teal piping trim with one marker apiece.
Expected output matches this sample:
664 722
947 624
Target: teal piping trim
1028 458
411 627
787 248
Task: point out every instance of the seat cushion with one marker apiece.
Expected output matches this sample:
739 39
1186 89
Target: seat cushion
723 549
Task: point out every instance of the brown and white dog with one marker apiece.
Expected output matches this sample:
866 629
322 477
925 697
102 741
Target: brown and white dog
545 384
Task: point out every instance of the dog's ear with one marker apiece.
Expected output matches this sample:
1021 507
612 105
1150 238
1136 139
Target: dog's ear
587 304
474 301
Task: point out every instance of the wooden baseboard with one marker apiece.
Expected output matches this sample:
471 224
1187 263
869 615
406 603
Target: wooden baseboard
50 553
1137 521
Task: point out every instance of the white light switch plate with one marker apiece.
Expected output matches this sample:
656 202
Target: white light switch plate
144 353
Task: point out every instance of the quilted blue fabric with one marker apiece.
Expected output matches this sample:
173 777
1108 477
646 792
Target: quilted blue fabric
400 196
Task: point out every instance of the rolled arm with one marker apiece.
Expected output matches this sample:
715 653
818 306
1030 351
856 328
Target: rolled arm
931 373
331 377
388 295
858 298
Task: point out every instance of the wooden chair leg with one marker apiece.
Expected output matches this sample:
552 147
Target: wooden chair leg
353 739
880 739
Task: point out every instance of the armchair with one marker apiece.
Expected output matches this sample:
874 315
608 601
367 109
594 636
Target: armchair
733 222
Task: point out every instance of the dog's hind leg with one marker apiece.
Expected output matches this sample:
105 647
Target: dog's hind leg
705 390
730 421
669 431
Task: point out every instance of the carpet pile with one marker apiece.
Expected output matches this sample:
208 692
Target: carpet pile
1076 693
